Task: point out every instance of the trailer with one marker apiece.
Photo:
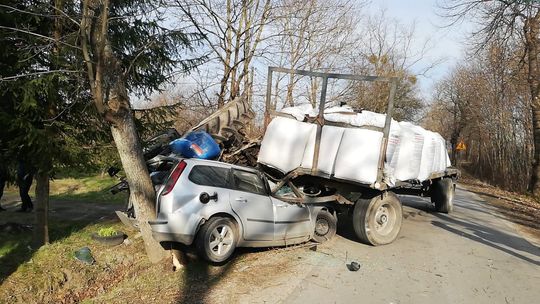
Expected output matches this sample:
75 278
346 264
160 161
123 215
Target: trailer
375 207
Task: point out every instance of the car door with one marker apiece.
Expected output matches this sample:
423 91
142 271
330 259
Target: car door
292 220
249 199
207 179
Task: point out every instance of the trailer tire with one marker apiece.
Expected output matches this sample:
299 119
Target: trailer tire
377 220
442 195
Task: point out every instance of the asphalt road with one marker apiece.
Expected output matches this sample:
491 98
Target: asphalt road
472 256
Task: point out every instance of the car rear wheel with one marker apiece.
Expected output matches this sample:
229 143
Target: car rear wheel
217 239
377 220
325 227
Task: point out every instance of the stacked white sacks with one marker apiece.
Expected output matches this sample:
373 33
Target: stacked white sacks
413 153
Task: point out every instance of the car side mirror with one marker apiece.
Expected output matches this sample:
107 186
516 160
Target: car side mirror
205 197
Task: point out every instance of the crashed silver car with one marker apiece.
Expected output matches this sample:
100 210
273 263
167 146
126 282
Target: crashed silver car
218 207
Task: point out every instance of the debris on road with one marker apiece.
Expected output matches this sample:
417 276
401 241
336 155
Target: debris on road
353 266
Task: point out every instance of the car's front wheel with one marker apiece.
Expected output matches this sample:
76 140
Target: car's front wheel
325 226
217 239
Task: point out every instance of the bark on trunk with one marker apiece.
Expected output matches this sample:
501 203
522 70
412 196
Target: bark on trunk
223 87
41 229
142 193
532 40
535 173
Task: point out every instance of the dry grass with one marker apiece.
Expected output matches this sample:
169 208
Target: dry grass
121 274
89 189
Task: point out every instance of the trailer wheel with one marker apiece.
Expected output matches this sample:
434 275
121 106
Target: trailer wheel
377 220
442 195
325 227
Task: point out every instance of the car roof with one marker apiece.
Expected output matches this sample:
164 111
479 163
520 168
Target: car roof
217 164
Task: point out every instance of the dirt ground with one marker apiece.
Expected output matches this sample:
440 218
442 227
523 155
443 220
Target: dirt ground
478 254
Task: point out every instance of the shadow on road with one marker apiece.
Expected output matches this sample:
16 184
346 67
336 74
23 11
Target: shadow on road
199 276
472 226
421 205
20 250
510 211
198 280
65 218
489 236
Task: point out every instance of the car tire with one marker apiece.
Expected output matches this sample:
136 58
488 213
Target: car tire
217 239
377 220
325 226
442 195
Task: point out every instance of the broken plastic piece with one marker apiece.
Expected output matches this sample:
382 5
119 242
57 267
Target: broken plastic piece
85 255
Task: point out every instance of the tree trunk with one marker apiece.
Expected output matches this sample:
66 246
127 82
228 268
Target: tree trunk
532 42
535 173
108 88
290 87
223 83
142 193
41 229
453 154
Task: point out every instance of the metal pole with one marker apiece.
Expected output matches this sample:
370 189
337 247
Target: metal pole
386 130
320 123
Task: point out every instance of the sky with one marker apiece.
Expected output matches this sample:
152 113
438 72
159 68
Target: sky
447 43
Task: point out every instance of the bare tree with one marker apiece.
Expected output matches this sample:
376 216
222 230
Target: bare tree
485 104
233 31
388 50
449 113
312 35
503 22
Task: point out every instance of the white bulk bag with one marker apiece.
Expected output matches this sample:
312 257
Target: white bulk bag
394 139
409 154
368 118
358 155
299 112
441 160
412 152
428 155
330 141
284 143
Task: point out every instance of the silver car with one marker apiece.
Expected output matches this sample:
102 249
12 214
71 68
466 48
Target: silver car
219 207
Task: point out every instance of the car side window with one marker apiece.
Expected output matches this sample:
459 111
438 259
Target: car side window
210 176
249 182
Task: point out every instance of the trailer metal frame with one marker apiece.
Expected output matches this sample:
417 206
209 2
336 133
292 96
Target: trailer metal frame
414 187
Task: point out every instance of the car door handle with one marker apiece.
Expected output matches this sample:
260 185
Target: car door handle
241 200
282 206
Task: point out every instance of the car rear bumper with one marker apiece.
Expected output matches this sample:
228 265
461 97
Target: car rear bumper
173 237
175 228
